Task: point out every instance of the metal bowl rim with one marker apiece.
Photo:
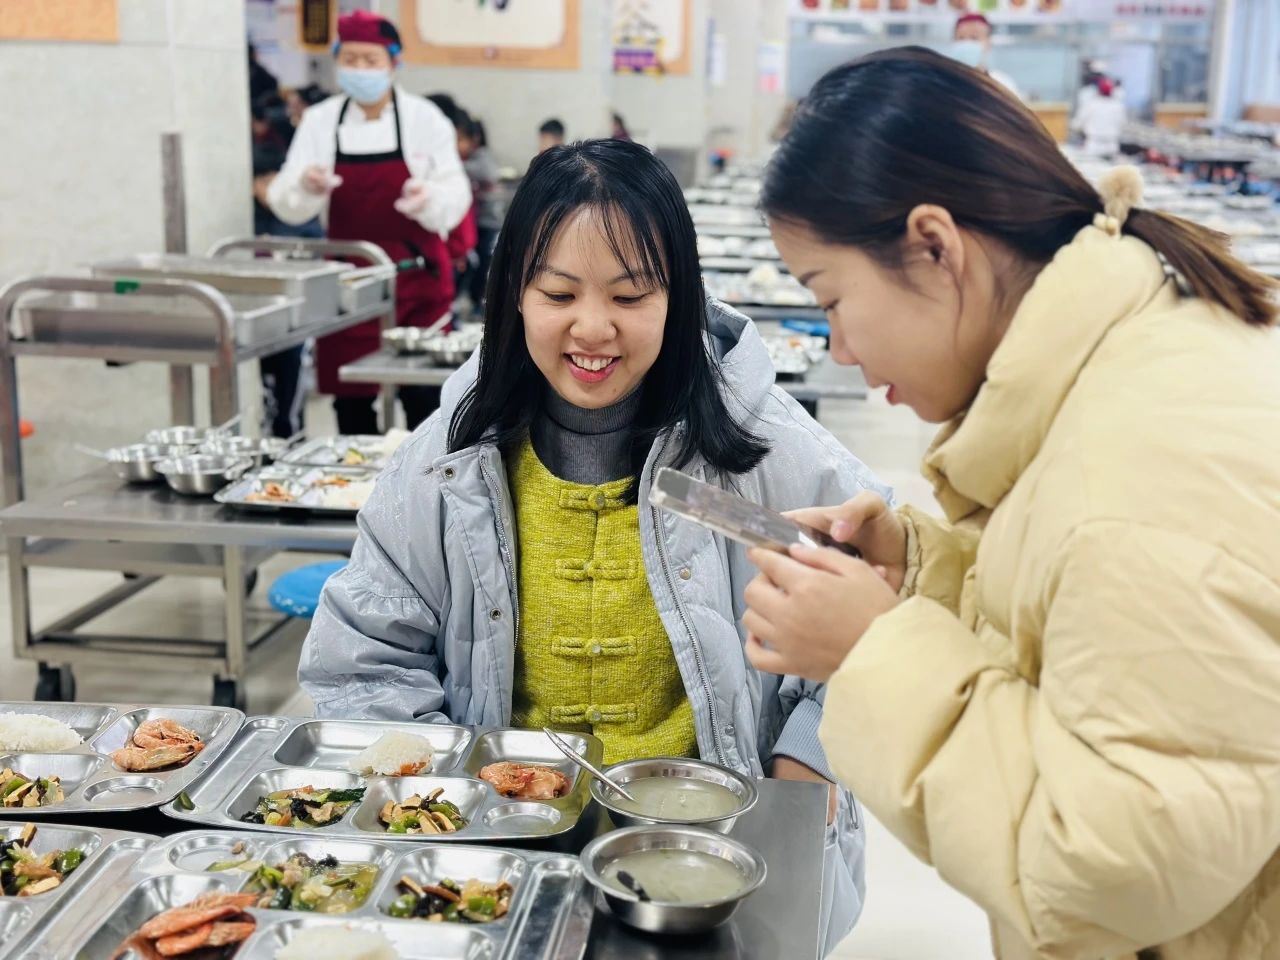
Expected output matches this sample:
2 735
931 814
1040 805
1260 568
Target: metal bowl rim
760 868
751 794
169 466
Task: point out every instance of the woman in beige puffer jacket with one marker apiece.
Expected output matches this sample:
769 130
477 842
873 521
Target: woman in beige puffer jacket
1066 696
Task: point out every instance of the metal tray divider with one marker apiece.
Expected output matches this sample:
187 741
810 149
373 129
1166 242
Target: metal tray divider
115 847
292 473
562 937
304 454
237 764
478 830
75 801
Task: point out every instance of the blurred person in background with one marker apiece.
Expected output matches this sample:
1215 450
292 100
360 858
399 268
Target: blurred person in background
283 386
297 100
1101 119
971 45
463 239
383 164
618 127
261 80
550 134
482 170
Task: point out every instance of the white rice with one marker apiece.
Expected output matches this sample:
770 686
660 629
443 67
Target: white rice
351 497
33 732
338 943
390 752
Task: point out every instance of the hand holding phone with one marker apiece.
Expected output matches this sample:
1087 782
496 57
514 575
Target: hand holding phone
734 516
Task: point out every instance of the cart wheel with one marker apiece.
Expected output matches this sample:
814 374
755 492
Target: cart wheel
56 684
250 582
228 693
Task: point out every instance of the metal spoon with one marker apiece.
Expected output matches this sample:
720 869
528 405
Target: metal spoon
228 426
632 884
572 754
90 451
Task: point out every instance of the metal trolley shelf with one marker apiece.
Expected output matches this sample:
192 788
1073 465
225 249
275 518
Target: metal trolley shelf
96 523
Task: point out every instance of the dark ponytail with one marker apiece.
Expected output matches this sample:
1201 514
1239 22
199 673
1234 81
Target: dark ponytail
878 136
1203 258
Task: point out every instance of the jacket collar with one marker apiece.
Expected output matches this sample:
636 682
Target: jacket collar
1091 285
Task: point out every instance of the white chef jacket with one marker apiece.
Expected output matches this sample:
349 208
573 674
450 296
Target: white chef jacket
430 148
1101 120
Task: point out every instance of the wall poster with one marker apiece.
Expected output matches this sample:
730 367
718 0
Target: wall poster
542 34
651 36
83 21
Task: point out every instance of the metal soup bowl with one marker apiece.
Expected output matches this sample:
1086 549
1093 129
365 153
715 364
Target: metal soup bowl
179 436
269 448
656 916
136 463
743 788
201 474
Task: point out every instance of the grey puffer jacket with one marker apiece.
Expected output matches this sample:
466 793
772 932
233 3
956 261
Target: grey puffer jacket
421 625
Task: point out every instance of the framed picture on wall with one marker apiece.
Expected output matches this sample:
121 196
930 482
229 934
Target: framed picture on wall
651 36
81 21
540 34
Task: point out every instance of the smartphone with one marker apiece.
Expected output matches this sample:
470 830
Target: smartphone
733 516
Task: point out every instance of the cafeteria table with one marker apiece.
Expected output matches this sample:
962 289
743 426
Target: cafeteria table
787 827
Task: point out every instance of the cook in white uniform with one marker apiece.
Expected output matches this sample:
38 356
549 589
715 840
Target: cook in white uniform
1101 119
971 45
379 164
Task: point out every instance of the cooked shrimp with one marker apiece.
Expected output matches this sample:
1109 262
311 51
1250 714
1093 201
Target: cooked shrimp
163 732
203 910
155 758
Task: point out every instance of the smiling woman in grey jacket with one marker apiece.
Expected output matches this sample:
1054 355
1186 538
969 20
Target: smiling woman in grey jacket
508 570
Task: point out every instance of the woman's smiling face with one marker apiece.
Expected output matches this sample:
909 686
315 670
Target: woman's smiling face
593 328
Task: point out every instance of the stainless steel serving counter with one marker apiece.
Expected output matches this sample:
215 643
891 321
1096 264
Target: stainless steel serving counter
99 506
825 381
97 522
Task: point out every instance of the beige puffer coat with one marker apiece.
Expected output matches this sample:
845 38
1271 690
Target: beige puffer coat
1076 714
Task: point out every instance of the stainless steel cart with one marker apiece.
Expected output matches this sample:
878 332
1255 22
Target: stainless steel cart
95 523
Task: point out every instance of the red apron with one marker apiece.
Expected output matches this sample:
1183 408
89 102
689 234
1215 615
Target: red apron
363 208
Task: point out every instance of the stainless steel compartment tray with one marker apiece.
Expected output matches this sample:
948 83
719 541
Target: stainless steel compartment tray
332 451
361 289
302 483
107 852
91 782
550 917
315 281
173 322
274 753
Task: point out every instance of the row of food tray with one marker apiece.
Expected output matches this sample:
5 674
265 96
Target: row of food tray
362 833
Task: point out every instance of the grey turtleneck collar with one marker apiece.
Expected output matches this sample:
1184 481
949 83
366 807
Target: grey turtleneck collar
585 446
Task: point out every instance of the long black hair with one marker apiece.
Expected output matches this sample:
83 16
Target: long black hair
649 230
891 130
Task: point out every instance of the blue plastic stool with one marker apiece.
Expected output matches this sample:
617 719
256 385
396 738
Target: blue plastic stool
297 593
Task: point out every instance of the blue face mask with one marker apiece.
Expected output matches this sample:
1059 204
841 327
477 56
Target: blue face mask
969 52
363 86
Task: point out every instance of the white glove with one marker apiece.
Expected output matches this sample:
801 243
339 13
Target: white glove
413 198
320 180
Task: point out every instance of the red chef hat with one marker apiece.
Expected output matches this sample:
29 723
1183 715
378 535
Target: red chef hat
361 26
973 18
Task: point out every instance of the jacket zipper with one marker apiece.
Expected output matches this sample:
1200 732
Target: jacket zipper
504 546
697 644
